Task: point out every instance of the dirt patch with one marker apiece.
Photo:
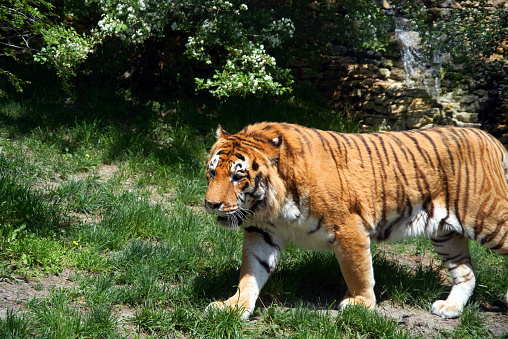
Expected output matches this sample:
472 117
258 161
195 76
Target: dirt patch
13 294
423 323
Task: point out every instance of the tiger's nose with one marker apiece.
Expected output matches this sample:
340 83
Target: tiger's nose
213 205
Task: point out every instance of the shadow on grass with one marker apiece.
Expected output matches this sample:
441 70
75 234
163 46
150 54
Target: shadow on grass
315 278
216 284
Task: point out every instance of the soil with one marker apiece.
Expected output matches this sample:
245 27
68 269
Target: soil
13 294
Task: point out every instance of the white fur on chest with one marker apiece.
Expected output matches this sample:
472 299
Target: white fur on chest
309 234
294 225
298 227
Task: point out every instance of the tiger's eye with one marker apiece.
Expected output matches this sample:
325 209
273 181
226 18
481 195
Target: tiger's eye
237 177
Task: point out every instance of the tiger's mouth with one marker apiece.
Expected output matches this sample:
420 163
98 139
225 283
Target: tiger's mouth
231 220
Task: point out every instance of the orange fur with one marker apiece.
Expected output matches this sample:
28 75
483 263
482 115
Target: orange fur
330 191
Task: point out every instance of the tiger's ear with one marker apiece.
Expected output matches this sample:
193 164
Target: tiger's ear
221 134
276 142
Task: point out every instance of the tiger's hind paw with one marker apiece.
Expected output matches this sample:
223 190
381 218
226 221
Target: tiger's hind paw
446 309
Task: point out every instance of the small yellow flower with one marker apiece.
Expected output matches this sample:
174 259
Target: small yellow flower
87 155
75 243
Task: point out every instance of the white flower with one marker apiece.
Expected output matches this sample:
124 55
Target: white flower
174 26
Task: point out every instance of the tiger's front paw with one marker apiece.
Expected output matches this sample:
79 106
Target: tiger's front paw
216 305
446 309
219 305
370 303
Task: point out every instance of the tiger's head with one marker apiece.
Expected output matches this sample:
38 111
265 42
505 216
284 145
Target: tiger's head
240 173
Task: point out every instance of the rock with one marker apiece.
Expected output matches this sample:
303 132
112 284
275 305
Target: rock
467 99
396 111
384 72
467 117
419 104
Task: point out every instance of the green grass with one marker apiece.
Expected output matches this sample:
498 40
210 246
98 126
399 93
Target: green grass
109 185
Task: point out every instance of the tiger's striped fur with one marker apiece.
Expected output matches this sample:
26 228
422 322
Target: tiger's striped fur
331 191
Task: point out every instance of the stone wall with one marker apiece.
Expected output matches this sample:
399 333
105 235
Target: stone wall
374 91
372 88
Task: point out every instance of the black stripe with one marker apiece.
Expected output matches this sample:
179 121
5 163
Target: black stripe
399 165
493 235
383 180
358 149
330 149
382 142
223 152
244 187
452 258
339 148
307 142
443 174
443 238
501 242
318 226
239 156
265 235
265 265
399 142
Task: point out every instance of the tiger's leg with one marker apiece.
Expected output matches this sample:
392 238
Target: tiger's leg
260 254
454 251
352 249
498 239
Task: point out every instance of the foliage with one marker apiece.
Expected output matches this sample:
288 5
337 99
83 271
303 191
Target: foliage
21 21
473 37
221 36
365 26
470 34
64 49
24 22
244 49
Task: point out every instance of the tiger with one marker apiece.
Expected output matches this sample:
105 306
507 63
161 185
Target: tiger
323 190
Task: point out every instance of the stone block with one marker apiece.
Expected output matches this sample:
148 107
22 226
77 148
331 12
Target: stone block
413 123
480 92
399 125
419 104
415 114
474 107
384 72
467 99
397 74
368 105
367 83
434 111
403 100
466 117
380 98
380 109
357 93
397 111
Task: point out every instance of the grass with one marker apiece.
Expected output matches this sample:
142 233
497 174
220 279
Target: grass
108 186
